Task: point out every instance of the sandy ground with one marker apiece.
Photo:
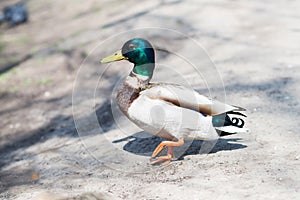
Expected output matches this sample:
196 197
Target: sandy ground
50 82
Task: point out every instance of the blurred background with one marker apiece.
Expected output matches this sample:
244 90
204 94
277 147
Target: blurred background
253 44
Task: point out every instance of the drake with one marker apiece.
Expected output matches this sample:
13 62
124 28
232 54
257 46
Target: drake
169 111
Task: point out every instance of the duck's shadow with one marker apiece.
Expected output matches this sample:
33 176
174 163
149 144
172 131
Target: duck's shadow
142 143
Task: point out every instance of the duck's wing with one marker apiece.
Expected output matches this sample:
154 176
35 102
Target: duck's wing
188 98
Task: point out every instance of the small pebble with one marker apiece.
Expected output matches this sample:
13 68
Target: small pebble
279 179
34 176
47 94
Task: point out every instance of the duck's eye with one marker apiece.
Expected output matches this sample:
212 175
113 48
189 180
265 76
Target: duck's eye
132 46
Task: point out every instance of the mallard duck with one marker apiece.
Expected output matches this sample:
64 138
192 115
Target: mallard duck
173 112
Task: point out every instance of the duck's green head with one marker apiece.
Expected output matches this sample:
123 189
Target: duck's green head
138 51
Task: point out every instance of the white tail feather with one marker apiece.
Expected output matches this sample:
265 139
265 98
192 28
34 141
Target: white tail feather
233 129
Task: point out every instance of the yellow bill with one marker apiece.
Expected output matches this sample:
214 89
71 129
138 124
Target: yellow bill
114 57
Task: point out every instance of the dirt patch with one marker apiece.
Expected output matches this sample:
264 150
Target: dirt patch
45 154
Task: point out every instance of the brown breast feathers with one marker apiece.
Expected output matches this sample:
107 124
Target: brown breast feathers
126 95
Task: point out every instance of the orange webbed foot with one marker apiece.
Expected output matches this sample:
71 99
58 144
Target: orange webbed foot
170 155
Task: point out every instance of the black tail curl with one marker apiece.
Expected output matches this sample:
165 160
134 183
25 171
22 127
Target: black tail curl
225 120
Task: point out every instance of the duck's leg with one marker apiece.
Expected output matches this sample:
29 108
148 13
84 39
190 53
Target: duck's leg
159 148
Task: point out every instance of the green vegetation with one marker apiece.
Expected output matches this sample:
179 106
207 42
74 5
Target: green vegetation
5 76
44 81
2 47
29 82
